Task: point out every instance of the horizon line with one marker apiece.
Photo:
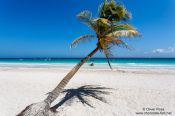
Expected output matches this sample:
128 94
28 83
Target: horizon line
79 57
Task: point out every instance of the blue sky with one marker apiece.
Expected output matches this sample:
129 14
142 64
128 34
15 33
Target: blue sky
45 28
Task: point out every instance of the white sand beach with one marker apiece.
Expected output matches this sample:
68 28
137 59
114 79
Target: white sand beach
132 90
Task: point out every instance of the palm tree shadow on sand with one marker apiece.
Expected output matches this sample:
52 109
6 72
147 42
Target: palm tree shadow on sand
83 94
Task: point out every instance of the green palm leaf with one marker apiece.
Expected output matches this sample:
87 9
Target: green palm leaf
107 57
84 16
81 38
106 49
113 11
116 27
123 27
124 33
120 43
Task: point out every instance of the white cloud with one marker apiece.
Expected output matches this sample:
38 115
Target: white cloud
167 50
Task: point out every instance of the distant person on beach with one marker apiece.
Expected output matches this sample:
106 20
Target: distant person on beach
91 64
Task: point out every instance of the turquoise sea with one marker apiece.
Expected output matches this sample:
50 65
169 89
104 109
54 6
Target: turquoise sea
146 61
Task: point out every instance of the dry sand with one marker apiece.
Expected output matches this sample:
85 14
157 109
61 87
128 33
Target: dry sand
131 92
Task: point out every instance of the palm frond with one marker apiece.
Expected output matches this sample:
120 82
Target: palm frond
124 33
84 16
123 27
115 27
118 42
100 25
107 53
104 45
108 61
103 21
81 38
113 11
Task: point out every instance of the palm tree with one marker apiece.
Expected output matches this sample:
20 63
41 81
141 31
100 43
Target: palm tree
108 29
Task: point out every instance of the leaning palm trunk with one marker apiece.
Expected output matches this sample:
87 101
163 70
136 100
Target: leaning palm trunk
54 94
43 108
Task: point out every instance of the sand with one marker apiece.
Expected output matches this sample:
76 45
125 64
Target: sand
132 92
